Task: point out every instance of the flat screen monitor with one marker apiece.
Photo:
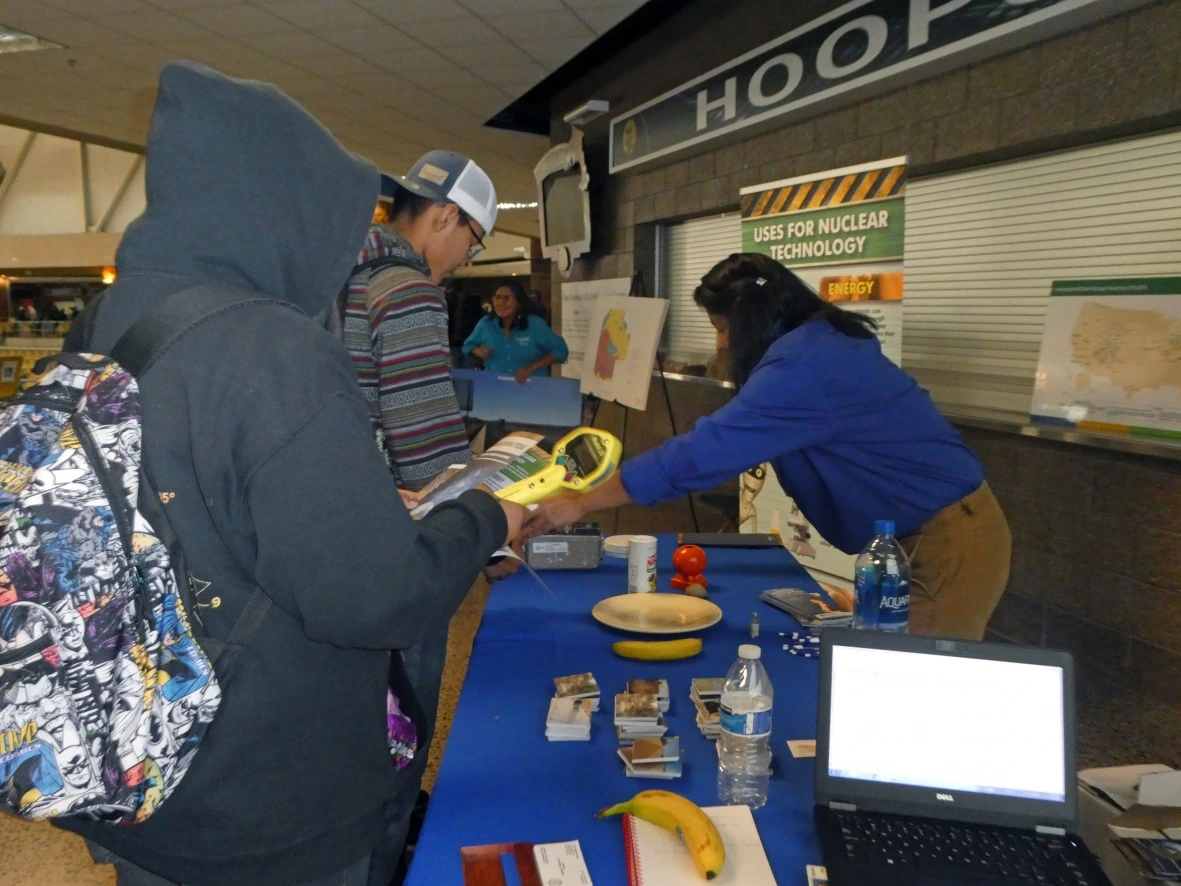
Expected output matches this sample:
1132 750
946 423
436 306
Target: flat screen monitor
952 723
563 210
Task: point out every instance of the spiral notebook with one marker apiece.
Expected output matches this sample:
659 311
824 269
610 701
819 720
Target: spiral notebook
656 857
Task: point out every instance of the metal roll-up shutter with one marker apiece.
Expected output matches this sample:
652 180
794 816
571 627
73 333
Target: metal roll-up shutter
984 246
691 249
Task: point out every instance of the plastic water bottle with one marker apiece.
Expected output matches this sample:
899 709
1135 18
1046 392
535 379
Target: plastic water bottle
881 586
744 744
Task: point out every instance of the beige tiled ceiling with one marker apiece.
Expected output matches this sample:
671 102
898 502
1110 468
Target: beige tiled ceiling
391 78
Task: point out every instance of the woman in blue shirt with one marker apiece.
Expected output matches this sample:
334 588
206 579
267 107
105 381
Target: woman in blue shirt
513 341
852 439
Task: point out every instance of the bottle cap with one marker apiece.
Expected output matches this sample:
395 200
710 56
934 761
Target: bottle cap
883 527
750 652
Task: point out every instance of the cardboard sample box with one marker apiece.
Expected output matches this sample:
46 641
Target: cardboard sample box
1116 802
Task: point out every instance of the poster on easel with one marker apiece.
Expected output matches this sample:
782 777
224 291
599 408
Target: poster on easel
843 233
578 304
620 350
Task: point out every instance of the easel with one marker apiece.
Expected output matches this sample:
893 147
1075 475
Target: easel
639 290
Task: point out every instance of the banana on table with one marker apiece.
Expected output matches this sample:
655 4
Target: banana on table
657 650
685 819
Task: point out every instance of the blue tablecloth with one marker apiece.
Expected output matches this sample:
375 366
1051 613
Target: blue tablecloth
502 782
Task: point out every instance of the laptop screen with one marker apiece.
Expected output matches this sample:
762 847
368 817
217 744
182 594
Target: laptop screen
946 722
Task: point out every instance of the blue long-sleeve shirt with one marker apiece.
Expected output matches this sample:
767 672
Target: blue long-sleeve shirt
518 349
852 439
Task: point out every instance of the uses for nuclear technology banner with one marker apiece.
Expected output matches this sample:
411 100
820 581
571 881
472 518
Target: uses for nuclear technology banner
842 232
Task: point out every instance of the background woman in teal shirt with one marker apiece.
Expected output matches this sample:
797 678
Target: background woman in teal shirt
513 341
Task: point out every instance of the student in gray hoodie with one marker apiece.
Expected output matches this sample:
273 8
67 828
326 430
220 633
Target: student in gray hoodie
256 435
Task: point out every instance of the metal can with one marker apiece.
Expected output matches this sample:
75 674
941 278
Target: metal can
641 564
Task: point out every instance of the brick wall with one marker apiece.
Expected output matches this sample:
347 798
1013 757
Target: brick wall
1096 556
1097 559
1121 75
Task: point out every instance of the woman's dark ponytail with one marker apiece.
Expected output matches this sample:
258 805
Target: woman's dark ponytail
761 300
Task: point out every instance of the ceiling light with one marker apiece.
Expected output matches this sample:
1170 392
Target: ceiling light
516 205
17 41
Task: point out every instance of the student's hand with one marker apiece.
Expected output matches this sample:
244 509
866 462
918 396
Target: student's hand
506 566
483 352
516 516
522 375
409 499
554 513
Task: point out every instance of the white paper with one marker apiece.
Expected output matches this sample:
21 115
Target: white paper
578 303
621 347
665 856
507 551
1118 783
1161 789
561 864
519 452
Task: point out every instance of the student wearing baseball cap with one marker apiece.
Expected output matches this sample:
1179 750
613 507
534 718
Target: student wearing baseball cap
438 216
395 327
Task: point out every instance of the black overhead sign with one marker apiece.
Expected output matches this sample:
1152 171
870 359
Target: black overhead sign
860 43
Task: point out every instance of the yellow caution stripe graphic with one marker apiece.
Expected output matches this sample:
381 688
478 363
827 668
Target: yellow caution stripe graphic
840 190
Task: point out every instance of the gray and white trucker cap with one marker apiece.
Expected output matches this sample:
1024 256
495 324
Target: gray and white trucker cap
453 178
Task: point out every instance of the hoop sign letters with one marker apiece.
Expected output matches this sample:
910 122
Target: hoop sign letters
862 47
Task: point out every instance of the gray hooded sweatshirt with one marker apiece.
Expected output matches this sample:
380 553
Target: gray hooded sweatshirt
260 443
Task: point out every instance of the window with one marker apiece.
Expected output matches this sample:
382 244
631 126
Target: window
691 249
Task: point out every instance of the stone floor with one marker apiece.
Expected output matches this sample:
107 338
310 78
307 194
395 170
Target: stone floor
1114 728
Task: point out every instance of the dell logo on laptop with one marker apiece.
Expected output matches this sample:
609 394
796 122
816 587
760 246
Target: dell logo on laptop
946 798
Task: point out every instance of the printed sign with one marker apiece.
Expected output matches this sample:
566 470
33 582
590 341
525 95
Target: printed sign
846 51
1111 357
842 232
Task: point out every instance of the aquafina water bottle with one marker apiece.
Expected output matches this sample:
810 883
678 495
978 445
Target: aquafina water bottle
881 585
744 744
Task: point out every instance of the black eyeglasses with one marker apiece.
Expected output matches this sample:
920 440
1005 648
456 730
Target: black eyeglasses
479 247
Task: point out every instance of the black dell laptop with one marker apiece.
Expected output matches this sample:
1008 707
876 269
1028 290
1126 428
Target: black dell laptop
947 763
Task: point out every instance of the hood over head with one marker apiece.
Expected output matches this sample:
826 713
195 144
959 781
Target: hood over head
244 188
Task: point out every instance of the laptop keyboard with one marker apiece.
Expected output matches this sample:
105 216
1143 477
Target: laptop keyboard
938 846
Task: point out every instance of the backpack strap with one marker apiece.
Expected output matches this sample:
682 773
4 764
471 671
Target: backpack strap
167 322
137 351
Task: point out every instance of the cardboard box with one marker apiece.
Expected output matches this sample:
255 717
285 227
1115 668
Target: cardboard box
1104 795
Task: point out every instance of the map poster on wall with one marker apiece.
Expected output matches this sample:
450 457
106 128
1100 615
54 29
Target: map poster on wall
578 303
1111 357
842 232
620 348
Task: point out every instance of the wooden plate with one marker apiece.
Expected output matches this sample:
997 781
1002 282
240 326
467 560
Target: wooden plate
656 613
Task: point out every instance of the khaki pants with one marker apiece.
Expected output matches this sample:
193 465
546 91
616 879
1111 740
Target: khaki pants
959 566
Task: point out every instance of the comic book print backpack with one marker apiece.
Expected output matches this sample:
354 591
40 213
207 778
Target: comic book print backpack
105 693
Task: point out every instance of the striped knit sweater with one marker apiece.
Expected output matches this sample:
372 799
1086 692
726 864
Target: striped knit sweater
395 329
